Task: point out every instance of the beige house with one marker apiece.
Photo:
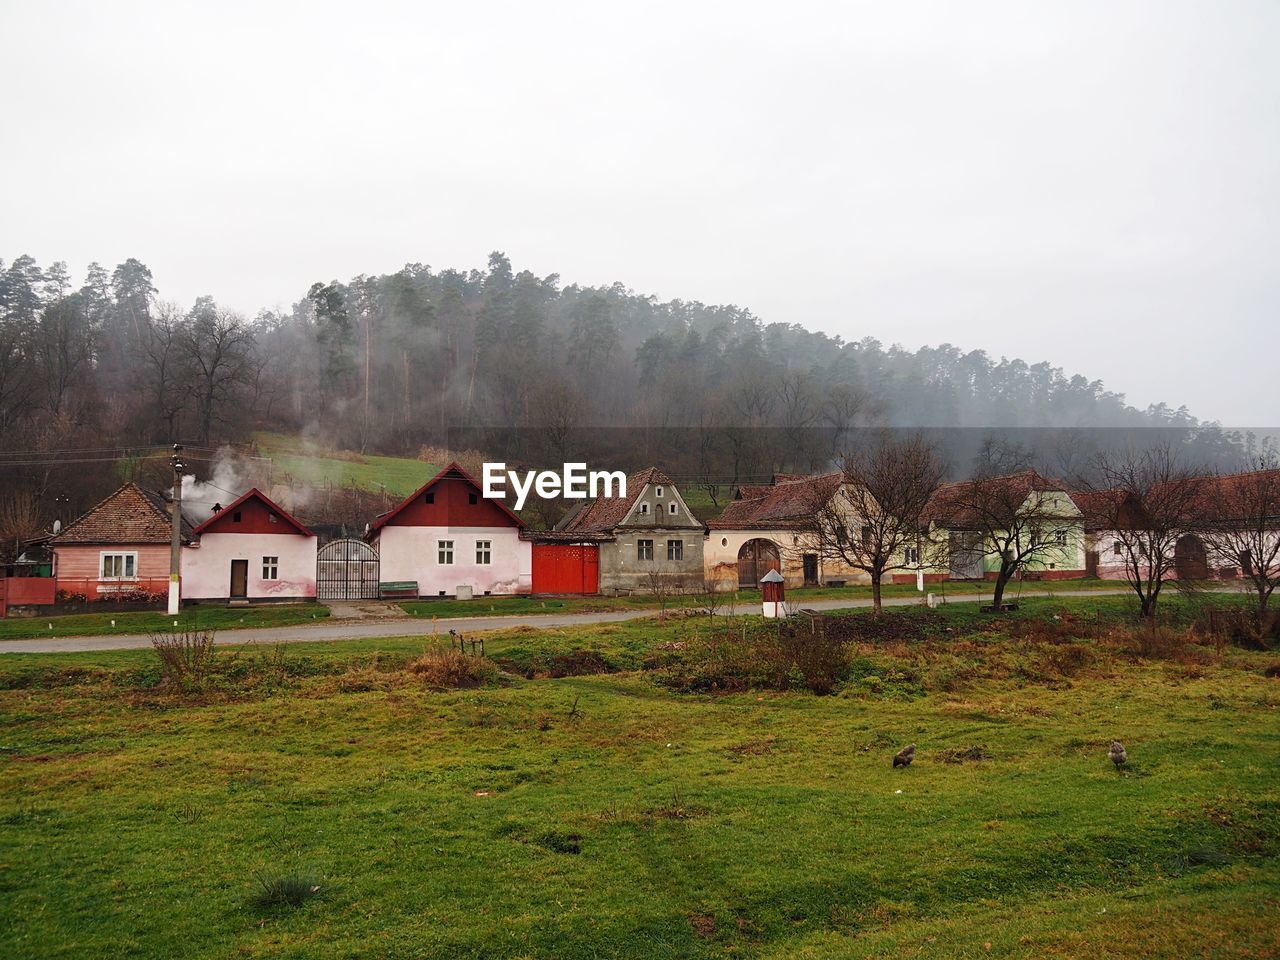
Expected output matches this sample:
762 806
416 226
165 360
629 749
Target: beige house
771 527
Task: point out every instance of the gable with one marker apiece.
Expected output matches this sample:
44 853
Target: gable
253 513
450 499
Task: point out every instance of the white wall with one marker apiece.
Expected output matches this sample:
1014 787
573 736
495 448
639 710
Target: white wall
206 568
410 553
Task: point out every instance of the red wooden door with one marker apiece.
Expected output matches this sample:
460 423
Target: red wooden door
566 568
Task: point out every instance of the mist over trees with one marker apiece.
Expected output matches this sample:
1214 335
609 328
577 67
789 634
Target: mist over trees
388 364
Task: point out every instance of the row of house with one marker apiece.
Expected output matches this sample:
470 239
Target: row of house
447 540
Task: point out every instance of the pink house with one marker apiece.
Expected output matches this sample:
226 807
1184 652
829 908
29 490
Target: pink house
447 538
118 550
250 550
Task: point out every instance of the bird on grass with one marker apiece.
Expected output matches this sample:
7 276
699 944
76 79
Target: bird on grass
1117 754
904 756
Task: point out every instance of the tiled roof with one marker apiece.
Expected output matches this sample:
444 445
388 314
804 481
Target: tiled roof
784 504
1099 508
130 515
604 513
951 504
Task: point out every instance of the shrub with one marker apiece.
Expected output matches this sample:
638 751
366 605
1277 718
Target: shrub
186 656
781 656
442 667
290 890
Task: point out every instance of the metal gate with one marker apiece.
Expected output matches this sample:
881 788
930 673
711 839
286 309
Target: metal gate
347 570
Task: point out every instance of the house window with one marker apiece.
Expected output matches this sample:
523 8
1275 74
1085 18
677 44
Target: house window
471 498
644 549
1116 548
657 492
671 508
644 508
429 498
118 566
235 517
484 552
675 549
271 518
912 556
444 551
270 568
1060 538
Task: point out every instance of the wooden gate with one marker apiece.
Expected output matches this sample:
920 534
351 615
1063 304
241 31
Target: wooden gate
566 568
347 570
755 559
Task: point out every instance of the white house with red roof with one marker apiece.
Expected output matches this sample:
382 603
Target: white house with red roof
251 549
446 535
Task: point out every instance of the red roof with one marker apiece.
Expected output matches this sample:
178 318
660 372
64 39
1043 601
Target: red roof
784 504
452 470
255 494
130 515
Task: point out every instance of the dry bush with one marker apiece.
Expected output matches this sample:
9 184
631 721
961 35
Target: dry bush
186 656
777 656
1156 641
442 667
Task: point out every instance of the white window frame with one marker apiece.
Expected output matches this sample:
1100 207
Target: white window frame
672 508
657 492
641 550
675 547
127 557
444 553
644 508
484 553
270 568
1059 538
911 556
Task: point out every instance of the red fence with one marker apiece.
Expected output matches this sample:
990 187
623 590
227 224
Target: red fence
566 568
91 590
25 592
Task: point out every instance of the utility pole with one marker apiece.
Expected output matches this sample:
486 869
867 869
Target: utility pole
175 538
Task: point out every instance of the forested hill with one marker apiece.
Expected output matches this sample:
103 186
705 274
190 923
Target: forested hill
388 363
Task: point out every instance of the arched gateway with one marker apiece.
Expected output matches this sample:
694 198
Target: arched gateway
756 558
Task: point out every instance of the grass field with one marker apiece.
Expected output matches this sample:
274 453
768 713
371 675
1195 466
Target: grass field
316 467
606 814
148 621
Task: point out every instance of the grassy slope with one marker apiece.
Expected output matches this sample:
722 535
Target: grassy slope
763 824
401 475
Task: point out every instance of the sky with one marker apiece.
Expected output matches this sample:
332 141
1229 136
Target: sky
1091 183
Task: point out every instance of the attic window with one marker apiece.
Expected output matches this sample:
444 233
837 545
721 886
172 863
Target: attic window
644 508
657 492
235 517
472 498
429 498
271 518
671 508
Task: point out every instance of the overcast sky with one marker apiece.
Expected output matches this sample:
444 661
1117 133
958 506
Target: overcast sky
1095 184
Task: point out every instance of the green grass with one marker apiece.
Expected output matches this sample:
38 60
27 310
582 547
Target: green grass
500 823
317 467
204 617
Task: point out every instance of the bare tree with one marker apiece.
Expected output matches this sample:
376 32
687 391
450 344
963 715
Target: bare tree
1158 501
19 520
1018 518
219 347
1243 528
873 522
